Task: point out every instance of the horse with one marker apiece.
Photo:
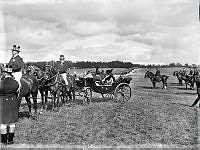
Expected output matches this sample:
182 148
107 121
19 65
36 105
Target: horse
189 80
179 77
55 83
39 73
155 79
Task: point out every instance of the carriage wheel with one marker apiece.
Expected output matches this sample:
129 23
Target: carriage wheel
87 96
122 92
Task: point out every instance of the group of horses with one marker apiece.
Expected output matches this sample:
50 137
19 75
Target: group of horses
46 80
189 80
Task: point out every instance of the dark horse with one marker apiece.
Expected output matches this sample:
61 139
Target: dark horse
29 87
155 79
179 77
55 84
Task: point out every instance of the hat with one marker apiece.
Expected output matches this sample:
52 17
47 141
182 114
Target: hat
7 69
62 57
16 48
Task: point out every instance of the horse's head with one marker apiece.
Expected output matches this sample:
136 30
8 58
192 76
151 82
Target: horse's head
146 74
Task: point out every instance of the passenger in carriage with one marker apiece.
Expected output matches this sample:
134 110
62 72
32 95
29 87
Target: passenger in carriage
62 67
103 74
109 79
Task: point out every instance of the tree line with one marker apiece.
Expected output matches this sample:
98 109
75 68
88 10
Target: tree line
111 64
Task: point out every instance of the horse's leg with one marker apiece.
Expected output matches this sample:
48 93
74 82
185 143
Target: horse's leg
42 98
46 95
196 101
34 95
27 98
154 84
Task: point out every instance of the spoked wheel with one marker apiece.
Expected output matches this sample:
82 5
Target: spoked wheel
122 92
87 96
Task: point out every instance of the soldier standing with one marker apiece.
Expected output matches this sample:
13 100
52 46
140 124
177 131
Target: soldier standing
9 106
17 63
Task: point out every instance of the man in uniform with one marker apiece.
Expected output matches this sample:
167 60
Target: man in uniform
17 64
157 74
62 68
9 106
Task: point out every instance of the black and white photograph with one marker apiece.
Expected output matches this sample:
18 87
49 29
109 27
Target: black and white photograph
100 74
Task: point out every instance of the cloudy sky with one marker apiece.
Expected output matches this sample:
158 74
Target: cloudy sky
140 31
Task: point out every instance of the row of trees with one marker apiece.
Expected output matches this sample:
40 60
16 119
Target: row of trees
112 64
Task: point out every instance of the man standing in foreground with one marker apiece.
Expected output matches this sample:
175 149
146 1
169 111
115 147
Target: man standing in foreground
9 106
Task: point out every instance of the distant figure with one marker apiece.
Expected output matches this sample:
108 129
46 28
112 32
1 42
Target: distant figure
8 106
191 72
17 64
196 72
184 72
97 71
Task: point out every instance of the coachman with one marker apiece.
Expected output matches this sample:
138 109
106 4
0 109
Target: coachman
8 105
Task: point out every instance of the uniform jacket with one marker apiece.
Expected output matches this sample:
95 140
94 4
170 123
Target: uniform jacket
62 67
17 63
8 100
157 73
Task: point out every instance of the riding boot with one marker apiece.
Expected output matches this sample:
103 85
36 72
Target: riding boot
10 138
4 138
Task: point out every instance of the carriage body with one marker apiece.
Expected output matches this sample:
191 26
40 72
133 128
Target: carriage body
118 90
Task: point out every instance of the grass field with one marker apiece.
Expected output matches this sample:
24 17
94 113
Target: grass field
152 117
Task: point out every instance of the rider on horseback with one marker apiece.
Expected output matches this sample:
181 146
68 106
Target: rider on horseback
62 67
17 64
157 74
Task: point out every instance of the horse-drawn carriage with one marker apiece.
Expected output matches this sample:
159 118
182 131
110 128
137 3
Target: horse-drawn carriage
119 90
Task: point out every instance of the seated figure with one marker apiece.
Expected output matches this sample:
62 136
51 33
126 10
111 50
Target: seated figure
109 79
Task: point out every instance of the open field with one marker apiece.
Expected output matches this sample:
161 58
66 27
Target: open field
152 116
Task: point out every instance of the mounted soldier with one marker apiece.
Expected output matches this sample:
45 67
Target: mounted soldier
63 68
191 72
9 106
17 64
184 72
157 74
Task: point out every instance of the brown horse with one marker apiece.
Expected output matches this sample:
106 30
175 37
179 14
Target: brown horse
155 79
29 87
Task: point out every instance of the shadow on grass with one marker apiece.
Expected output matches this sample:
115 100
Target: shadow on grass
174 84
186 93
148 87
24 114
